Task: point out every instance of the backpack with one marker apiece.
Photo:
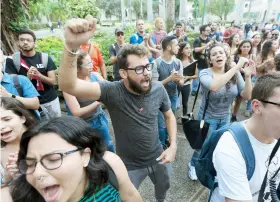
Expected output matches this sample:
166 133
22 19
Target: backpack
38 115
204 167
17 63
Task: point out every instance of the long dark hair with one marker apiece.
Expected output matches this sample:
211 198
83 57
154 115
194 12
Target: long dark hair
231 39
259 46
233 80
180 54
75 131
18 108
265 35
266 49
238 51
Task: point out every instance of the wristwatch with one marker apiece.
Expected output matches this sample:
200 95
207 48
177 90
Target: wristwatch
13 96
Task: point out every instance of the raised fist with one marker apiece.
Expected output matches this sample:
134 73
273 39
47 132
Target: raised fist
78 31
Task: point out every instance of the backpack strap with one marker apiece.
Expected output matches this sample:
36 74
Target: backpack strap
16 60
241 137
44 59
17 85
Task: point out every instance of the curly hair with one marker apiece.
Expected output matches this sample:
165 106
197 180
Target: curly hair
75 131
238 51
228 65
129 49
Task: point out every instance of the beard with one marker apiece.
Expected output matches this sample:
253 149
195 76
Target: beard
27 48
138 88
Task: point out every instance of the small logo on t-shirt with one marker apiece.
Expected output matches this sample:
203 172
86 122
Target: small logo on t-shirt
40 66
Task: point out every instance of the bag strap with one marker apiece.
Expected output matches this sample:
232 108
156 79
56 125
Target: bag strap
17 85
241 137
196 96
261 192
206 105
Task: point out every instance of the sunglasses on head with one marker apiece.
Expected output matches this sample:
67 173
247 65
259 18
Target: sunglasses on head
120 33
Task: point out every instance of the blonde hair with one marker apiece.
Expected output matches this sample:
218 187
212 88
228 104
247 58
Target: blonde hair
157 20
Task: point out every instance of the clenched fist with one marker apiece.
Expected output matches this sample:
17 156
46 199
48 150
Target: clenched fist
78 31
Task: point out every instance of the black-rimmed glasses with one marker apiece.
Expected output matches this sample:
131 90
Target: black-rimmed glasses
50 162
273 103
140 69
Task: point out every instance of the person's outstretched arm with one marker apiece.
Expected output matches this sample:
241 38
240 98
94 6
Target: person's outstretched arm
76 32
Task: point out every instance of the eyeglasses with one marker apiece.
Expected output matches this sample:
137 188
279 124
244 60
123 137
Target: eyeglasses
275 34
272 103
28 40
120 34
207 30
50 162
140 69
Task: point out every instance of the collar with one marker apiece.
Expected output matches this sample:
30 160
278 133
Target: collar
6 78
140 34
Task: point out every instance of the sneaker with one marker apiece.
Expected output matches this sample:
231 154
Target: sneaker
192 173
233 118
247 114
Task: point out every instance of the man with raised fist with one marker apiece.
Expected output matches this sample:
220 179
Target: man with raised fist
132 102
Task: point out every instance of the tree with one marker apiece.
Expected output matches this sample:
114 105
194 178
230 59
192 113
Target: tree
220 8
170 14
81 8
110 7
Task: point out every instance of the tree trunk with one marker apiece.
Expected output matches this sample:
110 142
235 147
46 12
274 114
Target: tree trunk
162 9
150 11
170 14
8 15
183 14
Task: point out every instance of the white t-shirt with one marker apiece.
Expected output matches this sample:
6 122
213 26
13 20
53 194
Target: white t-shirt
231 170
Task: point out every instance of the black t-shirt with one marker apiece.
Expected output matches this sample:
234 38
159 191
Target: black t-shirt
201 57
113 51
49 94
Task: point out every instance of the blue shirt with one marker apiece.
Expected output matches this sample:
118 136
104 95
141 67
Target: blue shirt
28 90
215 34
136 39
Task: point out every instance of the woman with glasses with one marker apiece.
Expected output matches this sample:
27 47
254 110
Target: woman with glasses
89 110
184 54
64 160
15 120
221 83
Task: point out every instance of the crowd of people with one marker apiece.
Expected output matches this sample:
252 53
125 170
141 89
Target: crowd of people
47 156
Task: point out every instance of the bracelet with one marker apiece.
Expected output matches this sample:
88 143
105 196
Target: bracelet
73 52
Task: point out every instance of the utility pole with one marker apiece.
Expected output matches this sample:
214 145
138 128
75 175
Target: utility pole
150 10
123 13
203 15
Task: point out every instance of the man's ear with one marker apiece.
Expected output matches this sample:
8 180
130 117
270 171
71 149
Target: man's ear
123 73
257 107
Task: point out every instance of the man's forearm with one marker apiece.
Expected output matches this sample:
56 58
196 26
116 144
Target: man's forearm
103 71
29 103
171 129
48 80
67 71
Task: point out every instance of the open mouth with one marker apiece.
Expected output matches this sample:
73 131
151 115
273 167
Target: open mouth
220 61
146 82
6 135
50 193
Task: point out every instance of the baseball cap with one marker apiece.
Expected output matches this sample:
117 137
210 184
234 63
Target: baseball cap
117 30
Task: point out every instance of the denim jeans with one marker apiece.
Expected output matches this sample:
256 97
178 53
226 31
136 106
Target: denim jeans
100 124
195 82
249 103
163 135
214 124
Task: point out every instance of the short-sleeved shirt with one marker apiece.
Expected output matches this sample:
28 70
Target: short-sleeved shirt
156 38
95 55
217 34
113 51
136 39
49 93
135 121
221 100
232 173
202 57
163 69
28 90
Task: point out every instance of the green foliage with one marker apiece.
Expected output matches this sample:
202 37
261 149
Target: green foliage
51 45
81 8
220 8
110 7
21 14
